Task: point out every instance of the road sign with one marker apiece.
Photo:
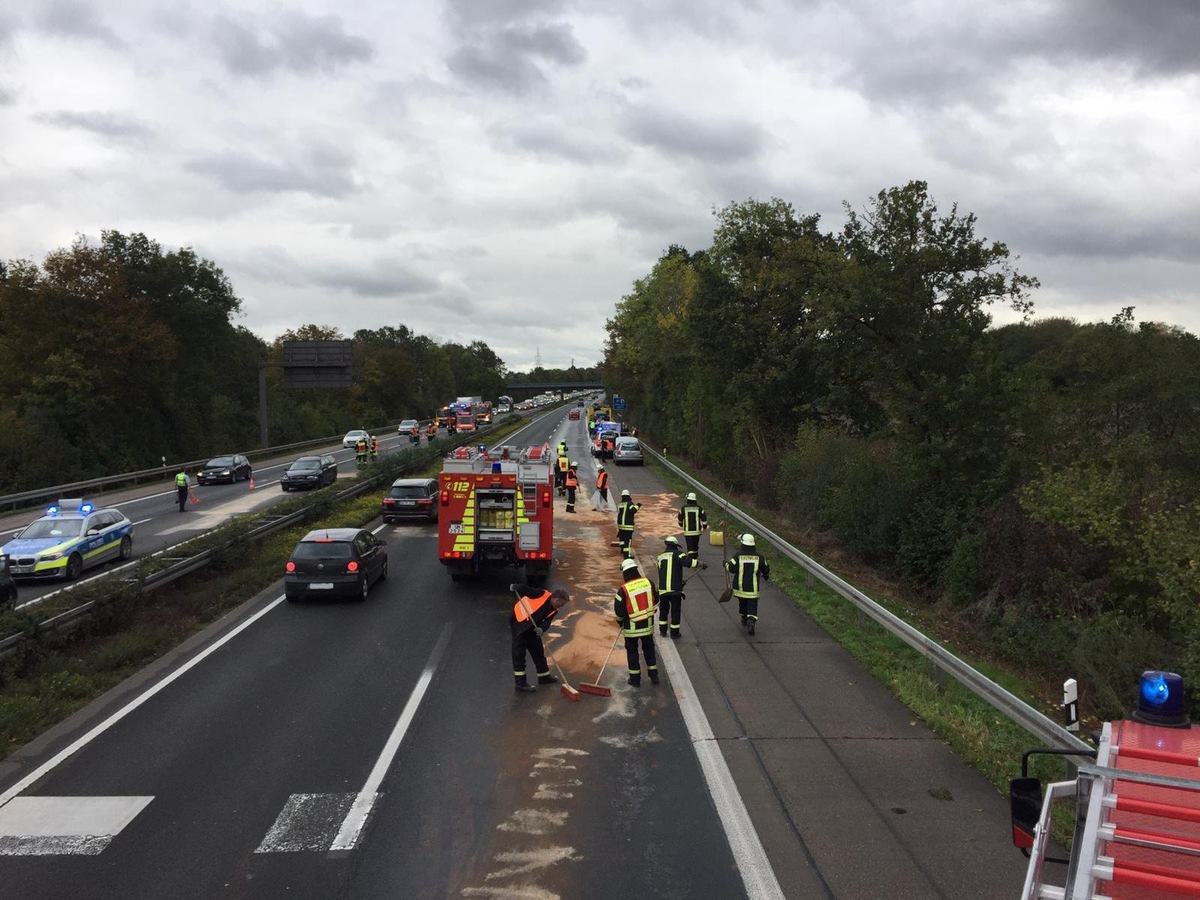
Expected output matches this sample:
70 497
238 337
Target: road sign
619 404
317 364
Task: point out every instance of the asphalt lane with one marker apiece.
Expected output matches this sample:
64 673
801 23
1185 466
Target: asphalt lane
253 759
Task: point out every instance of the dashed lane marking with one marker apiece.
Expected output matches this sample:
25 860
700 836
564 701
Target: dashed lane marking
60 826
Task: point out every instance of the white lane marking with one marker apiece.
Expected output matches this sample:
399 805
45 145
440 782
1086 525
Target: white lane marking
356 818
307 822
757 875
58 826
86 739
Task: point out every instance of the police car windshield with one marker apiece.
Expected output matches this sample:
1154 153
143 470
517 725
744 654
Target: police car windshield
53 528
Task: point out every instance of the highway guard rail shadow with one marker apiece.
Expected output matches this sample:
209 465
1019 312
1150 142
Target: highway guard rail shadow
1002 700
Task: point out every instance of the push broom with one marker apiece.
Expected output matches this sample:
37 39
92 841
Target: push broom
595 687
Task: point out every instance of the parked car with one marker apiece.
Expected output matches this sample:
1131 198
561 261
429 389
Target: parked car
352 438
8 586
410 498
335 563
407 426
71 537
627 451
309 472
225 468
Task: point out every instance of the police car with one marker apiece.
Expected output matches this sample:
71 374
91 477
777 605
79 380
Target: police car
71 537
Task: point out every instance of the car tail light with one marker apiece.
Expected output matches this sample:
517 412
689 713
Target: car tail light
291 566
388 501
352 566
424 501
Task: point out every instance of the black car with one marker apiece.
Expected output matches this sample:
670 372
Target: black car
411 498
8 586
224 468
309 472
335 562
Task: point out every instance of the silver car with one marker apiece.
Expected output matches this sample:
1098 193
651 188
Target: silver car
627 451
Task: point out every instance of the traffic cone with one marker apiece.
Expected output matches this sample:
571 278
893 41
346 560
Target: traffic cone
251 480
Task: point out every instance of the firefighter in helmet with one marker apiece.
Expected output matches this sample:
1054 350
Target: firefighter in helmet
634 605
626 512
748 568
572 482
693 520
671 563
530 618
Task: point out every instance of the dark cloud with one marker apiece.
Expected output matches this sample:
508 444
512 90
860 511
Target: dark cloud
559 140
300 43
78 19
473 14
384 279
1158 38
324 171
713 140
103 124
510 59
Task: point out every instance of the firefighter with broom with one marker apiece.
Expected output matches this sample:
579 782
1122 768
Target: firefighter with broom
531 616
634 605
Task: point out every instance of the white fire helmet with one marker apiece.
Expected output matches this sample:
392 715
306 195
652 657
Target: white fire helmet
747 540
692 496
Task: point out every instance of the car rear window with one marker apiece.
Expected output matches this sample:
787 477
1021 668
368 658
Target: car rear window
322 550
408 492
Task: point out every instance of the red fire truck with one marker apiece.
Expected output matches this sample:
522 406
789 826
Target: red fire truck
497 509
1136 806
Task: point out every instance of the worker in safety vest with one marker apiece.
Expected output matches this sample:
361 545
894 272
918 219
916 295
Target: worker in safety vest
693 520
374 447
747 567
671 563
634 605
530 618
602 484
431 431
572 482
626 511
360 452
560 472
414 434
183 484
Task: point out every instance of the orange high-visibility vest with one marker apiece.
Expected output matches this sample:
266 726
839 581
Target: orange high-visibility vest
639 598
602 481
572 478
525 608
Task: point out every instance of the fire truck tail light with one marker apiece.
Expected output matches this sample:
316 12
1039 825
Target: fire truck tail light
545 498
445 498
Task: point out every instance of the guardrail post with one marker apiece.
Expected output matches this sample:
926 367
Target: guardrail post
1070 705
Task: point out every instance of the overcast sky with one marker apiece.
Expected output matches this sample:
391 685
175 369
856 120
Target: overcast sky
502 170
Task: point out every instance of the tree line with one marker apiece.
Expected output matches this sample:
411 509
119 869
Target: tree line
1038 480
116 356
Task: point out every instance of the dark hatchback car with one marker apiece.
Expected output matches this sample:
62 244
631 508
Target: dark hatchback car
309 472
411 498
335 563
225 468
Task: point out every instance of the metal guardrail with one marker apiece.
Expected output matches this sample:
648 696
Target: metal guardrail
1013 707
67 619
55 492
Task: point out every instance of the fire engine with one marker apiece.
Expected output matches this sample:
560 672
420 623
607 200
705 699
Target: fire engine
1137 807
496 509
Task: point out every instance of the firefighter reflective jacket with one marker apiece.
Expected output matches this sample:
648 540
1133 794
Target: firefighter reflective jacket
602 481
626 511
692 518
634 605
747 569
572 478
670 570
534 609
